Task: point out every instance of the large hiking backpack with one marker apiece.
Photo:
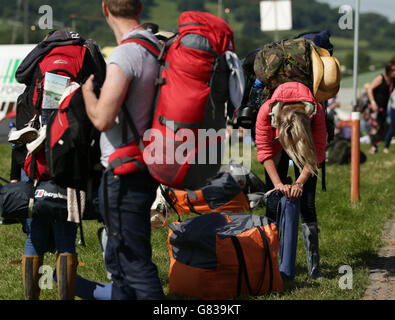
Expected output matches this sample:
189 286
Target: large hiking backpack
72 145
284 61
64 53
291 60
223 255
192 90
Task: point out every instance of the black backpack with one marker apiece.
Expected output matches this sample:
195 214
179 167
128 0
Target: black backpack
72 146
56 54
338 151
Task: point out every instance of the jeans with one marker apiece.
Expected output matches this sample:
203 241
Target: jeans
307 201
44 234
391 129
128 255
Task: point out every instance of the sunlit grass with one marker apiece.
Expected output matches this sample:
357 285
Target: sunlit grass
350 234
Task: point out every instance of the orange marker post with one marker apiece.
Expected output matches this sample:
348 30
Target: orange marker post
355 155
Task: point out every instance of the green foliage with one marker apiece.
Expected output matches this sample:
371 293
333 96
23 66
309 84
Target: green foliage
5 161
364 61
308 15
189 5
313 16
89 21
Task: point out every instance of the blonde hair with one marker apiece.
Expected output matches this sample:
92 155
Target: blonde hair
294 134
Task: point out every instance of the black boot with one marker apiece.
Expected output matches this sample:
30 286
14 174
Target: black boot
310 242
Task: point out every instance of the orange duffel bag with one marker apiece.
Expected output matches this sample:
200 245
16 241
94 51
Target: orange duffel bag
221 194
224 255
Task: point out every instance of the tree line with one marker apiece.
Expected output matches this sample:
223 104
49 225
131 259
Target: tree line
308 15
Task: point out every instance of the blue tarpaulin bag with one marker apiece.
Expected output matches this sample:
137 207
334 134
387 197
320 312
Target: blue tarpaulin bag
288 222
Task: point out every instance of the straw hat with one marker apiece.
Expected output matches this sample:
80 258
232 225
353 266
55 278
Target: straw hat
326 74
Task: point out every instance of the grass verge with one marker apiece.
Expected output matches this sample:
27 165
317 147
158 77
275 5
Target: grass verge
350 234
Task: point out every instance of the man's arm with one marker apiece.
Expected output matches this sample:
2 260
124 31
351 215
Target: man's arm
103 111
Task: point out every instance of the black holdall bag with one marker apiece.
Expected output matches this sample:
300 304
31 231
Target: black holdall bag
50 202
14 199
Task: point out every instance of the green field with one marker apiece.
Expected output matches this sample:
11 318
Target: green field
350 235
363 78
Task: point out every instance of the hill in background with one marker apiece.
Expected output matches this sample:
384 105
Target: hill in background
376 34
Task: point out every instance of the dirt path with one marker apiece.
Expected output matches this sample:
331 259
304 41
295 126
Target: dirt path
382 273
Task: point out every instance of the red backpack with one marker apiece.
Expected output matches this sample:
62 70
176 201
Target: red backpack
192 91
64 53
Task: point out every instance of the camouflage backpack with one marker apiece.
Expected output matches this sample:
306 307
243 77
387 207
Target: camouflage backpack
284 61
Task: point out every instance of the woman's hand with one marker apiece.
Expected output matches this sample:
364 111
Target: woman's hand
296 192
284 188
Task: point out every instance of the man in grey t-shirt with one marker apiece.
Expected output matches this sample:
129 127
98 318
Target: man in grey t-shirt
130 80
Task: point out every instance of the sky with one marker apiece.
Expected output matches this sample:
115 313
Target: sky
383 7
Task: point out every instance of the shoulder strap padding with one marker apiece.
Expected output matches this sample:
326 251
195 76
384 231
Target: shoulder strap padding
146 43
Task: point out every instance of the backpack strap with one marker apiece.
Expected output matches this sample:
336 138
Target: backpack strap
4 180
267 258
242 267
147 44
323 179
165 193
155 52
79 205
132 127
98 60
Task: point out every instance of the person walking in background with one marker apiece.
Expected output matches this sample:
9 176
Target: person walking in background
130 82
292 125
379 93
363 107
391 129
